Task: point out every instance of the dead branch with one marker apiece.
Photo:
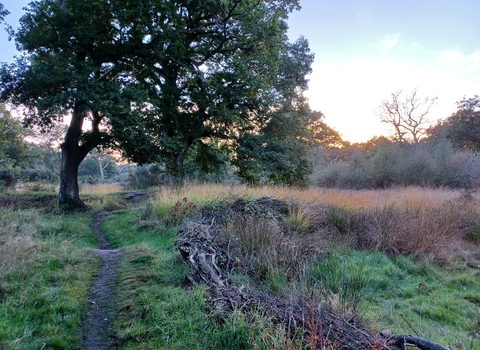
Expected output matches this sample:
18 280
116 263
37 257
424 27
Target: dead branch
303 318
403 341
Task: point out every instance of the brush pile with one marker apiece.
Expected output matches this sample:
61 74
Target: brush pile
201 243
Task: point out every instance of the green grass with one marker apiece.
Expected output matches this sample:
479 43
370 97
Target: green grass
44 278
156 310
405 295
46 269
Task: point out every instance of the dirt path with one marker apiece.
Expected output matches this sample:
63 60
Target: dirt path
97 330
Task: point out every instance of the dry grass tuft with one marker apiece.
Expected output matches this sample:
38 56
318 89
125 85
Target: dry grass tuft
265 249
422 230
17 241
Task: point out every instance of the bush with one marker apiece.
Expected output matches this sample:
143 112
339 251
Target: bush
384 164
464 170
404 165
145 176
343 175
39 173
416 168
7 178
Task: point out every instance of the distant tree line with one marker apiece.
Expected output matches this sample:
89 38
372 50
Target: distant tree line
445 154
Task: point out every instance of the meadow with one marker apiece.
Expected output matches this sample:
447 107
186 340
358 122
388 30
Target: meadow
401 260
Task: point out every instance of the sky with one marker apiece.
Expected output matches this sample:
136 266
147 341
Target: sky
367 49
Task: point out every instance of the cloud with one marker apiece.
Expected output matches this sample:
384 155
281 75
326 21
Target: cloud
415 46
388 42
468 63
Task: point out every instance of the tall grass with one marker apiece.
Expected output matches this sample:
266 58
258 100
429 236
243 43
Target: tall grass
420 230
98 189
346 198
17 240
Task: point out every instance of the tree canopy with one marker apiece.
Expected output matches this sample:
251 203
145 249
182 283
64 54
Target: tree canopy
156 78
3 12
12 147
462 128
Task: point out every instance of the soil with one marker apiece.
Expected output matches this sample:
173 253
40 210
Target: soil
97 328
97 332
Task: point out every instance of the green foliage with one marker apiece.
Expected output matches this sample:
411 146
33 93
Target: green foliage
164 78
13 148
7 178
277 154
462 128
320 134
3 12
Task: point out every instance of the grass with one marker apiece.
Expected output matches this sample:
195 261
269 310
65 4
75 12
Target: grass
390 260
345 198
156 311
45 272
401 294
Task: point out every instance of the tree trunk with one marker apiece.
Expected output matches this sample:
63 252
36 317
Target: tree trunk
72 155
69 194
100 165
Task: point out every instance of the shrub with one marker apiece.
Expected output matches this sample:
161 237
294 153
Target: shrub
464 170
416 168
39 173
344 175
7 178
145 176
384 164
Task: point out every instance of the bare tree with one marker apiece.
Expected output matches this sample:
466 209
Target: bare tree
407 115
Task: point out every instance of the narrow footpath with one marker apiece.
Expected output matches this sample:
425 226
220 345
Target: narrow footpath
97 329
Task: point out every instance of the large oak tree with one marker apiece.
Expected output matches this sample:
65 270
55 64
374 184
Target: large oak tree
152 77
